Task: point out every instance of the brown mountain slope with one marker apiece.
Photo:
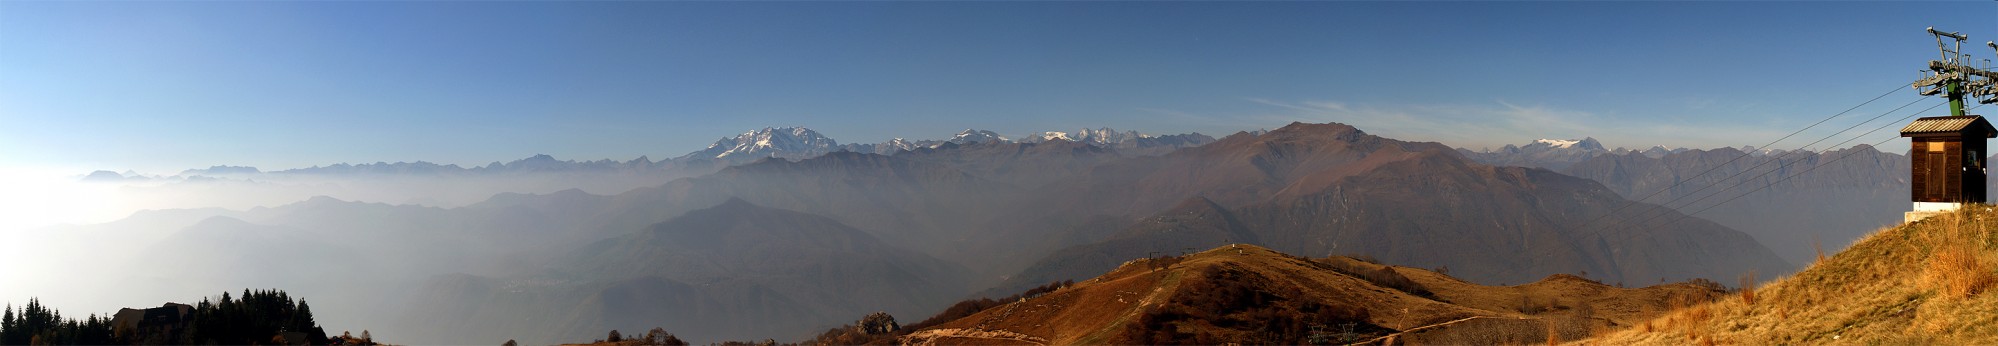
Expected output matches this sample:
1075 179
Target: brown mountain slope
1922 283
1331 189
1248 294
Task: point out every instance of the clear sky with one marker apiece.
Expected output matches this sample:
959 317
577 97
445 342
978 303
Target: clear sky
164 86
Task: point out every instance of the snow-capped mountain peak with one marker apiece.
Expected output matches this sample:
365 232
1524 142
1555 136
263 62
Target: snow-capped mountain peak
1544 153
977 136
1051 135
769 142
1586 143
1100 137
1558 143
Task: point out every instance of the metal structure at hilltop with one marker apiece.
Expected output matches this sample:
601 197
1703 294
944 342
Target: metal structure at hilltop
1954 77
1946 154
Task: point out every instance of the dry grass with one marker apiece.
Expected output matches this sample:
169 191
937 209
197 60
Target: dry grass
1137 297
1748 288
1959 271
1921 283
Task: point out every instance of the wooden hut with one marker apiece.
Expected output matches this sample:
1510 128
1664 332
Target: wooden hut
1947 156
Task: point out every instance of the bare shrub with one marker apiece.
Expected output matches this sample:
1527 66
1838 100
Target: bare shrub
1526 306
1385 276
1237 306
1490 332
1748 288
1820 246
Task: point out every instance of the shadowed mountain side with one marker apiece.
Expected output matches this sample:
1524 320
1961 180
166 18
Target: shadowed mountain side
1234 171
1500 225
913 204
1195 223
1326 189
1241 169
755 272
1159 145
1835 196
1027 165
743 241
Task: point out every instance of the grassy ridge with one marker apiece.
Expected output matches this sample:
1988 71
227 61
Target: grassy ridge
1926 282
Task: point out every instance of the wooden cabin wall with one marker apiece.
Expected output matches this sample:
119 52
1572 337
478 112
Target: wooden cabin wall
1918 177
1973 178
1953 171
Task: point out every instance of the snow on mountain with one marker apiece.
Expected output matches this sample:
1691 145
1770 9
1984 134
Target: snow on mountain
1586 143
792 143
1544 153
898 145
783 142
1105 137
969 136
1557 143
1046 136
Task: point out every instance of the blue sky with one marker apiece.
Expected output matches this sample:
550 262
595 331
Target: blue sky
163 86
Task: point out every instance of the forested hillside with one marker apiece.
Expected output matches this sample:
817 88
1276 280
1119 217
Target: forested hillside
252 318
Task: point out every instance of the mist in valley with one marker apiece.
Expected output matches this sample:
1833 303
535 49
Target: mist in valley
164 152
354 244
786 248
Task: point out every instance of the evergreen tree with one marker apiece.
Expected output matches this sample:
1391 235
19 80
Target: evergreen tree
255 317
7 325
302 320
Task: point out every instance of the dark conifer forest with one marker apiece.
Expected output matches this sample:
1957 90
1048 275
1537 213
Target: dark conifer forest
253 317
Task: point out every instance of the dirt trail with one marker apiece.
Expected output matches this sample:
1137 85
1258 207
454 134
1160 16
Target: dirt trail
1377 341
931 336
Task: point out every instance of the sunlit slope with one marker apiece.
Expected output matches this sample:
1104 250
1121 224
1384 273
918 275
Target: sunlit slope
1921 283
1252 295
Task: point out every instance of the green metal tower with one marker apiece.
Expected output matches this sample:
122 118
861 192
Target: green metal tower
1954 76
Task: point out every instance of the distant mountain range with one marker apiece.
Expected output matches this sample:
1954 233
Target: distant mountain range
809 242
1331 188
791 143
1858 190
1024 214
1555 154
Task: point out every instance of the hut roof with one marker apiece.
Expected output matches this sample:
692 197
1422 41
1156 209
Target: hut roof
1950 124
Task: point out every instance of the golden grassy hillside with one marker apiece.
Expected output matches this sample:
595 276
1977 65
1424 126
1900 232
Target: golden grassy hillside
1252 295
1926 282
